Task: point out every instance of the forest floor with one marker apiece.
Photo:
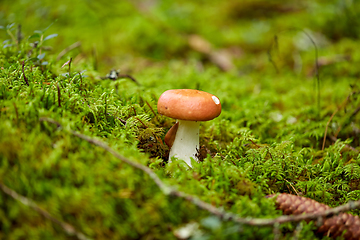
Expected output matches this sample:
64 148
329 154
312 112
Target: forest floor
82 149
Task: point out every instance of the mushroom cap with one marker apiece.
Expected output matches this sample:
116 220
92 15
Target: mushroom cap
189 104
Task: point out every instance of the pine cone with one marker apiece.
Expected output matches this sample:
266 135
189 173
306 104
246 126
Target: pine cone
332 226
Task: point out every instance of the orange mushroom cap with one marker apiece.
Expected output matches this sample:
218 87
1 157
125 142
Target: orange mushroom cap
189 104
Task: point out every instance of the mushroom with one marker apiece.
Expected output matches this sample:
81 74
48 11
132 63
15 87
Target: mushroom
188 107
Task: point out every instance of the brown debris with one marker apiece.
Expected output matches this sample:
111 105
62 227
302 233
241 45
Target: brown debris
171 134
222 58
199 44
332 226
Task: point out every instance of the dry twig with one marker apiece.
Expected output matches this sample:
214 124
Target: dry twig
69 229
297 193
130 77
326 128
334 139
23 71
68 49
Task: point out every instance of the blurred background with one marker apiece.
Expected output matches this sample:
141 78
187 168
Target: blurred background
237 35
284 62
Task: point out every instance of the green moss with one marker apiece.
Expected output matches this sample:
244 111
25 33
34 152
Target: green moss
268 139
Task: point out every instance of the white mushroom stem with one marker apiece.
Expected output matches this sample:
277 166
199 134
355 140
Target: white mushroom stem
186 143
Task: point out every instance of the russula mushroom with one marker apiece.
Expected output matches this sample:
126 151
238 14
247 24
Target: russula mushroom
188 107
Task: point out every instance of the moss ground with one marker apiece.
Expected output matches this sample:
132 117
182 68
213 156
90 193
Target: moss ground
268 139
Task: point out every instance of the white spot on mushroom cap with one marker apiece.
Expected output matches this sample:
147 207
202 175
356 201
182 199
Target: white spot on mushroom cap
216 100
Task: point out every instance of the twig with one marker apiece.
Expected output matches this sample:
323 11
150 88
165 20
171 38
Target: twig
69 229
94 55
334 139
133 110
297 231
11 35
224 215
68 63
317 68
103 145
59 94
326 128
355 112
68 49
23 71
70 67
121 120
151 108
16 112
271 60
50 120
19 35
297 193
256 145
276 231
141 122
128 76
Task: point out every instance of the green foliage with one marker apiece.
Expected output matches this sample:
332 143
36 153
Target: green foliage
267 140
